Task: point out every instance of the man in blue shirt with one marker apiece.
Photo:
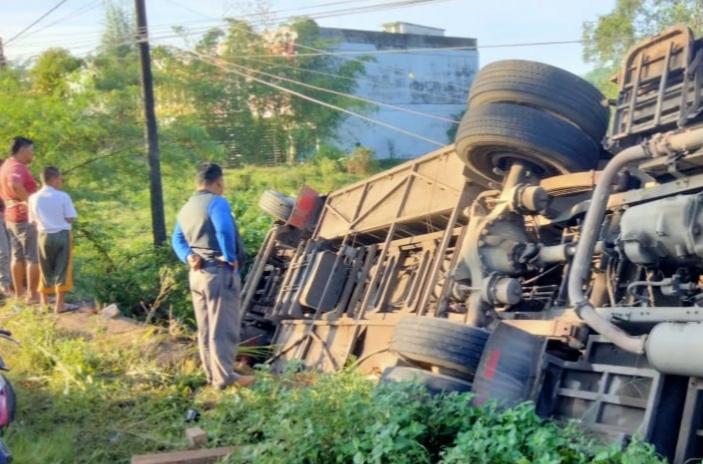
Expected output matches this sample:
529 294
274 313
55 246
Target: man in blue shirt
206 238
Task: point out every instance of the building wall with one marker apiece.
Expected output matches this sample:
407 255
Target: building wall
433 82
407 28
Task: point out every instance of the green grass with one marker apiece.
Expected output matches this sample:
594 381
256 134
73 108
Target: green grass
83 400
126 217
115 261
100 399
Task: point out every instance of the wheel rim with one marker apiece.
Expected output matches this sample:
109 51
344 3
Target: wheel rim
494 162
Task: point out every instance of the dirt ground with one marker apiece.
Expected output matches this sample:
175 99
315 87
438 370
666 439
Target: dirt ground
125 332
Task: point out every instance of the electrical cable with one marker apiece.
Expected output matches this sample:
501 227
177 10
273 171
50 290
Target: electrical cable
14 37
82 10
340 13
330 91
424 50
163 28
336 54
183 7
320 102
358 79
155 35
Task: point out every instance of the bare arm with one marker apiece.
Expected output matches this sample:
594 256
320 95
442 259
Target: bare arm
69 211
31 213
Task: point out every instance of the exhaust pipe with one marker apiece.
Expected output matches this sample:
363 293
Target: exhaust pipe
661 145
580 266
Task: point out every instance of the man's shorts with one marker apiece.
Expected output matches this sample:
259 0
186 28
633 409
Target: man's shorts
23 239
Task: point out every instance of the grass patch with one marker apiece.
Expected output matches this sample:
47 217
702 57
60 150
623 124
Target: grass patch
91 400
116 262
88 399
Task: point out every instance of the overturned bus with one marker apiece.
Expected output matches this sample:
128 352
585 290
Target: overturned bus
553 254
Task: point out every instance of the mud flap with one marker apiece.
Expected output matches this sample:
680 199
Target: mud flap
509 370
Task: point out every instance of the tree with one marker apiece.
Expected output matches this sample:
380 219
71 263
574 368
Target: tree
224 82
118 37
608 38
52 69
306 121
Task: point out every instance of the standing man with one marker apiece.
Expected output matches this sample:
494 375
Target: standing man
16 185
205 237
52 211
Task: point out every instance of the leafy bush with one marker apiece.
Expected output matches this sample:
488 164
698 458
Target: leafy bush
329 152
330 167
309 418
141 279
362 162
146 282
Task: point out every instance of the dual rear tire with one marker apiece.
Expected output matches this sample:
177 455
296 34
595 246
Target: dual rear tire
534 113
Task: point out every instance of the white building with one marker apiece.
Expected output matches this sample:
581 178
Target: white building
415 68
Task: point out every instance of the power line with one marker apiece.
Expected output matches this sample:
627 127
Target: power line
343 55
373 8
390 5
320 102
340 13
322 52
183 7
346 58
355 79
317 52
301 8
74 14
395 4
36 22
333 54
330 91
425 50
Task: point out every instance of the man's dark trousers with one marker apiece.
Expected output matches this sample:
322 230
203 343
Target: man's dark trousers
216 292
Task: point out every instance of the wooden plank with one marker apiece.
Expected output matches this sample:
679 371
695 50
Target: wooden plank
203 456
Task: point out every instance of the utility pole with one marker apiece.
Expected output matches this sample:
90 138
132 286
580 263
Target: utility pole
158 221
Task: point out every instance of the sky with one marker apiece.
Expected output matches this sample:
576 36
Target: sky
76 24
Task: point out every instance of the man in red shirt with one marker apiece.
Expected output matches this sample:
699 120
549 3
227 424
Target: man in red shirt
16 185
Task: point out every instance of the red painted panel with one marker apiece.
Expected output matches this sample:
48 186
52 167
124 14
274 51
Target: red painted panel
492 363
305 208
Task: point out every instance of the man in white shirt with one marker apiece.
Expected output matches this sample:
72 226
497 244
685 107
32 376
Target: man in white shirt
52 210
